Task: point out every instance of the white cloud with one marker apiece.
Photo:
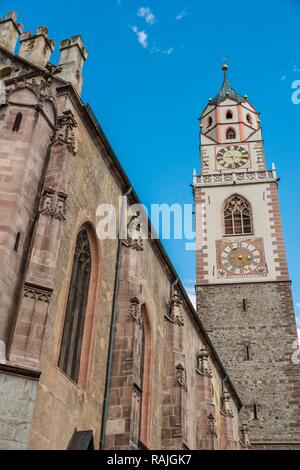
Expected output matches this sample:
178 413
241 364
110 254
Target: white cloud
168 51
192 295
297 305
181 15
145 12
142 36
295 67
189 285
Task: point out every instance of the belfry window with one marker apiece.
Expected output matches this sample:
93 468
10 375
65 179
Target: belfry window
17 123
229 115
209 121
237 216
230 134
249 118
71 345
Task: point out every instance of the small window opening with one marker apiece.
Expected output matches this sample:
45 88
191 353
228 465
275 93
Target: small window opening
209 121
230 134
244 305
229 115
17 123
255 414
17 242
247 353
249 118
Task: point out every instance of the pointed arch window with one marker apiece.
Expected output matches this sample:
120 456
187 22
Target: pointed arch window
209 121
229 115
70 354
237 216
230 134
145 378
17 123
249 118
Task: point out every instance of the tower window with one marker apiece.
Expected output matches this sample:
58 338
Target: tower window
255 413
71 346
17 123
17 242
237 216
247 353
249 118
229 115
244 305
230 134
209 121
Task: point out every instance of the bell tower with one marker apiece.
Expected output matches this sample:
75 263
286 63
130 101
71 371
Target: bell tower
243 286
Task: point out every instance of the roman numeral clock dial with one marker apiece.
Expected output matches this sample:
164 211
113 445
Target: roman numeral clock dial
233 156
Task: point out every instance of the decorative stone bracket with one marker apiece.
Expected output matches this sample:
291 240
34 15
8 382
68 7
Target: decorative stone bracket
53 204
135 311
180 377
226 411
65 131
203 363
134 239
245 441
212 425
174 314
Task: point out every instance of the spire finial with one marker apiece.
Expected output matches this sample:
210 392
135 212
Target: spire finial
225 68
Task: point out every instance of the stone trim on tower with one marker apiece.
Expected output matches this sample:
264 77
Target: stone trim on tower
279 251
201 237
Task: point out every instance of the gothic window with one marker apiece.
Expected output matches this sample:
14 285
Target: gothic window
17 123
229 115
209 121
249 118
237 216
71 346
17 242
145 378
230 134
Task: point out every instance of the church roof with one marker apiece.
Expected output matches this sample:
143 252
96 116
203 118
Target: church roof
226 91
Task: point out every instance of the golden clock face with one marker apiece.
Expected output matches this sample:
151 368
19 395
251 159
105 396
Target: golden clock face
241 258
233 156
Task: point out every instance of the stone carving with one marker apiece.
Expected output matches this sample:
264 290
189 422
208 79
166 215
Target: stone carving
203 363
37 293
180 377
226 411
245 441
65 132
53 69
174 314
212 425
53 204
135 311
42 89
134 239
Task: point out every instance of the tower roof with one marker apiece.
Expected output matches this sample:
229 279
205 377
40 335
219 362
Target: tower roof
227 91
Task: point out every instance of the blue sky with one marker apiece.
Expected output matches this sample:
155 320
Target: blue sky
149 75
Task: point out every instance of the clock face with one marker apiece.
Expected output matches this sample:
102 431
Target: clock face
241 258
233 156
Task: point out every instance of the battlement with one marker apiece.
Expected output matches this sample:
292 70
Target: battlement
37 49
10 31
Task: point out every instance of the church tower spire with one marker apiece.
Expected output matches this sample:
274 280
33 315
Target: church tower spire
227 91
243 287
